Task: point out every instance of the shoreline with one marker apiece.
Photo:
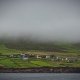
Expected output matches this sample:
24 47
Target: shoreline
41 70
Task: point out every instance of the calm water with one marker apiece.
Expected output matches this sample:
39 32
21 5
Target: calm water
39 76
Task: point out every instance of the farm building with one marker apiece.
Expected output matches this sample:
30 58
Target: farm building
24 56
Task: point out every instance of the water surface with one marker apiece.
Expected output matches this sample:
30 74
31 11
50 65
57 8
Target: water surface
39 76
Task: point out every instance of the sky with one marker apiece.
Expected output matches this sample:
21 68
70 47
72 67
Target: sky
43 20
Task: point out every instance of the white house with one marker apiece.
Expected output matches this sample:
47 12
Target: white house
24 56
38 57
47 56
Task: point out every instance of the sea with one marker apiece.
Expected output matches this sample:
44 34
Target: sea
39 76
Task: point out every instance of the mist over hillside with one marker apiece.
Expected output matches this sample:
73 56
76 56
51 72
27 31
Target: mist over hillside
27 44
40 20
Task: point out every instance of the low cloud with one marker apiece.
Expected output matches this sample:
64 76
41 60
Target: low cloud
43 20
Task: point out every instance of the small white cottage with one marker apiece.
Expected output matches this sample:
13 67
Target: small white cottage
38 57
47 56
24 56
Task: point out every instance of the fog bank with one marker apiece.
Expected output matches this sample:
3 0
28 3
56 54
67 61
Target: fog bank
42 20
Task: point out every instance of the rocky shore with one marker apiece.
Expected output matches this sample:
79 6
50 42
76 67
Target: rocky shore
41 70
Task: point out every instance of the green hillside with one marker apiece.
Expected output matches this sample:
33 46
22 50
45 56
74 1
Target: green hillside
4 50
61 50
47 46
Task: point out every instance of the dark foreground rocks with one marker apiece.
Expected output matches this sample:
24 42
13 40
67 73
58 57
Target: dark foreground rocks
41 70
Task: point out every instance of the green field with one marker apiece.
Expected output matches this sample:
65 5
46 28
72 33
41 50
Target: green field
19 63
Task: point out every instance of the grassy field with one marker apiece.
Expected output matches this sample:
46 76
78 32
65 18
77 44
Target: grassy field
5 51
19 63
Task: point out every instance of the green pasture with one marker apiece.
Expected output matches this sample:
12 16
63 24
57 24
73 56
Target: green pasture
19 63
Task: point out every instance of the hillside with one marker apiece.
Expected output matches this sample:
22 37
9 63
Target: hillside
40 46
61 50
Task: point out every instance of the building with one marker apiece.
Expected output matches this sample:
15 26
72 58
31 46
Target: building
24 56
47 56
38 57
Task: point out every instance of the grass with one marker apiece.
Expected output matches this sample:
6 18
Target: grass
19 63
7 63
41 63
23 63
6 51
